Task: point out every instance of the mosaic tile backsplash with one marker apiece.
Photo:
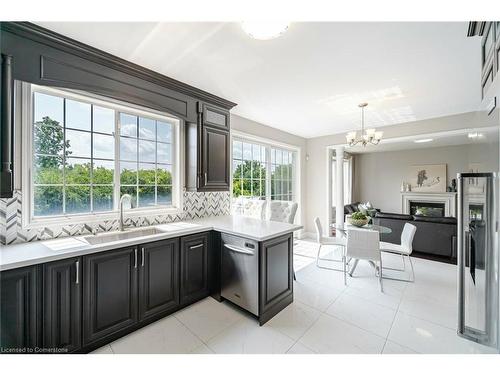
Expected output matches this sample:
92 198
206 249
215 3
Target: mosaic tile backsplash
196 205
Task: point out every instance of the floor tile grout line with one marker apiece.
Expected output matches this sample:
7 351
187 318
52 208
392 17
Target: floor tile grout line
202 340
425 320
354 325
393 320
307 330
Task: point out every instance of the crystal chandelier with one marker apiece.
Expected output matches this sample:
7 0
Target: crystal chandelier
368 136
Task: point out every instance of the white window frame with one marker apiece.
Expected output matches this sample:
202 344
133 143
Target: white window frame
268 144
30 221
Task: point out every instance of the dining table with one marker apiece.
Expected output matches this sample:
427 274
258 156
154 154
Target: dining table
344 227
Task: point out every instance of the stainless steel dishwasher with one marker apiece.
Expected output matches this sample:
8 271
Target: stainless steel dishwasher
240 272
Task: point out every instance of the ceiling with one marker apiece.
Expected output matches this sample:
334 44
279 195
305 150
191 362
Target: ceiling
487 137
309 81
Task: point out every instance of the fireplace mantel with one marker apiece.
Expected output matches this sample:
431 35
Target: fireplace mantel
449 200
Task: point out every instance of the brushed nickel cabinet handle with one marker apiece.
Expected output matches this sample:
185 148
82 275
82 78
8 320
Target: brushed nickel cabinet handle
195 246
135 257
142 257
77 266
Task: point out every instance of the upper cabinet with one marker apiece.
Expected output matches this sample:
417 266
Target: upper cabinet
213 116
208 156
490 51
36 55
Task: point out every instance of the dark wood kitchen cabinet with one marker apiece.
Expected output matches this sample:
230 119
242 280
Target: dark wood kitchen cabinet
159 278
194 267
19 308
62 303
276 276
110 293
216 154
208 148
214 116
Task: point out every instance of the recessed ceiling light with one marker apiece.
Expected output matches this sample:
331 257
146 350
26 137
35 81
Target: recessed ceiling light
265 30
423 140
474 135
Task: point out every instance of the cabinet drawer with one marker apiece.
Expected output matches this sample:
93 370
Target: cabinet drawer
214 116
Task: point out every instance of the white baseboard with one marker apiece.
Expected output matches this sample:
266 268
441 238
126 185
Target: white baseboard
302 234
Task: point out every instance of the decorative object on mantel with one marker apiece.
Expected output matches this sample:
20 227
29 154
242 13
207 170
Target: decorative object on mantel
405 187
453 187
368 136
428 178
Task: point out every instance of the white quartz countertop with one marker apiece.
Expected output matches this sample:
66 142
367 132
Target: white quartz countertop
29 253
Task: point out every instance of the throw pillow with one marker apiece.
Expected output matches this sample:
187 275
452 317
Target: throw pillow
362 208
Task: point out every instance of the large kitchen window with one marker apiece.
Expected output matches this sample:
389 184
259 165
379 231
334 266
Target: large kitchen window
262 171
87 152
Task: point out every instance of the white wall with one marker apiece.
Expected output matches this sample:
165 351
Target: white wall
378 175
316 149
256 129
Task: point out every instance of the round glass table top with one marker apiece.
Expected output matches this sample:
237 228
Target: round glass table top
379 228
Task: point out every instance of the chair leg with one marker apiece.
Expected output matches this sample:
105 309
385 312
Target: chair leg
345 271
412 270
380 276
294 277
317 256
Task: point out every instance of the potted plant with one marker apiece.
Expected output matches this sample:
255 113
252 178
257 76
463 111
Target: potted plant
358 219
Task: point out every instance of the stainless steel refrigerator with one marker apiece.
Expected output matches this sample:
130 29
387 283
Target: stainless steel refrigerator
478 258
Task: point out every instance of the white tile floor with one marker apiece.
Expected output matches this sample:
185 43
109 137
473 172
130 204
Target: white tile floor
326 317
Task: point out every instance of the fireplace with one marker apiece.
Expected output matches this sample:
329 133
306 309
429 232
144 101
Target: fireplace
433 209
443 204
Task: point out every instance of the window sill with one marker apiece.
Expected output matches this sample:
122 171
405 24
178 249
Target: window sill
99 217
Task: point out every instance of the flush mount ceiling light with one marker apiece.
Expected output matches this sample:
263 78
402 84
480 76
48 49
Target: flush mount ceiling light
423 140
475 135
264 30
368 136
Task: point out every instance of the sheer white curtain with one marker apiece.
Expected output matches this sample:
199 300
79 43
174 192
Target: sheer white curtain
348 180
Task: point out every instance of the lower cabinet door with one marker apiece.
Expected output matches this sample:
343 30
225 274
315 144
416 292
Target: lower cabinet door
19 317
109 293
62 286
194 267
158 278
276 276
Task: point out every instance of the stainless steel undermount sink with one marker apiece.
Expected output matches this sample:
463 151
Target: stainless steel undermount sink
119 236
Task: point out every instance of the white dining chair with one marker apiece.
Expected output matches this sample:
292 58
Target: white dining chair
282 211
255 208
363 244
404 249
322 241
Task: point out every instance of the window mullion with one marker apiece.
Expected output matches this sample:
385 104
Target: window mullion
117 182
268 173
64 158
91 158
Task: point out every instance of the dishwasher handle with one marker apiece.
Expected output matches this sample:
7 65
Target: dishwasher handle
238 249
